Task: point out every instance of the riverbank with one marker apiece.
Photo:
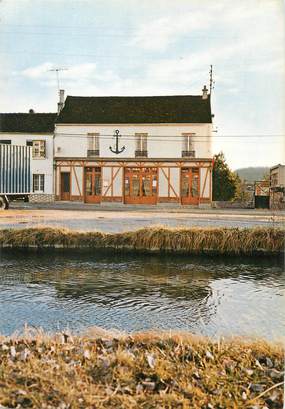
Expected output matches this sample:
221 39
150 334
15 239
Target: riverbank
147 370
224 241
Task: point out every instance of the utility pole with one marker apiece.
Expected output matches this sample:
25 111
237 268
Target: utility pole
57 70
212 82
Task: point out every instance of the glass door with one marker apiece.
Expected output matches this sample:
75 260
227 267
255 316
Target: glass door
140 185
93 185
65 186
190 185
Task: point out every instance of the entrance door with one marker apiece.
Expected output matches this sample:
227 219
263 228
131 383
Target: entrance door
65 186
140 185
93 185
190 185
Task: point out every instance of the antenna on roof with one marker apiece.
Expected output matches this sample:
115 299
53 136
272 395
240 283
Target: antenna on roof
212 82
57 70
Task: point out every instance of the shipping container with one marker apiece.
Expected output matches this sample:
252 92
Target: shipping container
15 173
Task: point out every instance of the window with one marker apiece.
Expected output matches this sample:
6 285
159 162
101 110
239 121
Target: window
5 141
141 145
187 145
93 148
38 183
29 143
39 149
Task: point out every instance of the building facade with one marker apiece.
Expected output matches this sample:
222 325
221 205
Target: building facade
277 187
134 150
35 130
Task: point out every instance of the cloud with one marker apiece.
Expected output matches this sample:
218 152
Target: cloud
217 19
37 72
77 76
159 34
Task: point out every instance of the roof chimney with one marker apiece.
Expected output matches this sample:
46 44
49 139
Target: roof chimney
61 101
31 111
205 92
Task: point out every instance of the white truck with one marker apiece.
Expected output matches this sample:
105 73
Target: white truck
15 173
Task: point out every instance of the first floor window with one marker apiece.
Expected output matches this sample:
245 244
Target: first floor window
39 149
5 141
141 144
187 145
38 183
93 147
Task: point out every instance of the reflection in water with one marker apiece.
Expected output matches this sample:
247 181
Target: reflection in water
212 296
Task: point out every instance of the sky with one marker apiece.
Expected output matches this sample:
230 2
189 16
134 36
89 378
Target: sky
155 47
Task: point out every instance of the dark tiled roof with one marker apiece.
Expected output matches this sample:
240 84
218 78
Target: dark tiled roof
163 109
30 123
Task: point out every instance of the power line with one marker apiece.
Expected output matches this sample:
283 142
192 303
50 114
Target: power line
181 136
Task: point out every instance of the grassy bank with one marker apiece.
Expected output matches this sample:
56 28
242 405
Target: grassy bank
139 371
153 239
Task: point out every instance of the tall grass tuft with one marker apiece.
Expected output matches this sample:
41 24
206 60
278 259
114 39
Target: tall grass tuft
239 241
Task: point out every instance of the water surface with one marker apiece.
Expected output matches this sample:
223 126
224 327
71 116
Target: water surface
204 295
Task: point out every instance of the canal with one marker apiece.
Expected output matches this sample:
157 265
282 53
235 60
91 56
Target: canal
204 295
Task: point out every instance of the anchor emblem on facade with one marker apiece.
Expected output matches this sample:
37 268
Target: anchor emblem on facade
117 150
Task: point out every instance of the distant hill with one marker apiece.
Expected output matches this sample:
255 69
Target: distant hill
252 174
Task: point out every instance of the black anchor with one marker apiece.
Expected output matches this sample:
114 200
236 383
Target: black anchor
117 150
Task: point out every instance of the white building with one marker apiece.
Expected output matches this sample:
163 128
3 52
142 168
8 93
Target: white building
277 187
137 150
35 130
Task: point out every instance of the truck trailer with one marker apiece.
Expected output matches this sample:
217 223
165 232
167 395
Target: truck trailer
15 173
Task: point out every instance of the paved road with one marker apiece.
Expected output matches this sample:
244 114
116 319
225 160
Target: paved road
122 219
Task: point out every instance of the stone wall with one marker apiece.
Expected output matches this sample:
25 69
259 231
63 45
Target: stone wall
41 198
232 205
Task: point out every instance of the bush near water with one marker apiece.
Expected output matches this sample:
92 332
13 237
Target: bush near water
239 241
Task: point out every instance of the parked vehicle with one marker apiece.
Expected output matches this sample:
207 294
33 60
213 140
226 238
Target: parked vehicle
15 173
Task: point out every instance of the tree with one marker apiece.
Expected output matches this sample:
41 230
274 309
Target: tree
225 182
242 194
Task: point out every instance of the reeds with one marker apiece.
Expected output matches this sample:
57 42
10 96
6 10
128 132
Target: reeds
139 371
246 241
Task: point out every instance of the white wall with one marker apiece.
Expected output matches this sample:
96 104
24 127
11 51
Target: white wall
38 166
164 141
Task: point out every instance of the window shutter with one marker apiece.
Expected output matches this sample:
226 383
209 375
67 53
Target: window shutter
96 143
144 142
185 143
138 142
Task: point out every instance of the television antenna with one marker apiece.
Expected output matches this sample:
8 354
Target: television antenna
212 82
57 71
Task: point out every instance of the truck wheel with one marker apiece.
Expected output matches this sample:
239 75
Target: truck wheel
3 203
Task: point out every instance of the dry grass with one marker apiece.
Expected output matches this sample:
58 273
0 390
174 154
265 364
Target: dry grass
139 371
183 240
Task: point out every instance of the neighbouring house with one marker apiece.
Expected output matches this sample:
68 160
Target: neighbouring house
134 150
261 194
35 130
277 187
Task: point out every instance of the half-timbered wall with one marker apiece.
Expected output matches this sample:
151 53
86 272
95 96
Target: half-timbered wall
112 178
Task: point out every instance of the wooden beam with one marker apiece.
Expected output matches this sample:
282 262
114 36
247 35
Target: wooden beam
76 180
205 180
112 181
170 185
